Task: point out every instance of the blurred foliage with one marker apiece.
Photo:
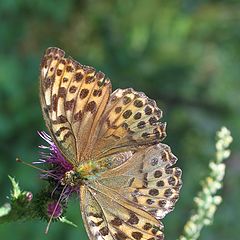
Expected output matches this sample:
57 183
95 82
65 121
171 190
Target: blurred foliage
185 54
208 200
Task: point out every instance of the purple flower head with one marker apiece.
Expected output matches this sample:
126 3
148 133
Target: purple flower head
54 209
55 165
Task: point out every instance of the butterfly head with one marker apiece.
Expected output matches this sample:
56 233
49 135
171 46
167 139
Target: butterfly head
71 178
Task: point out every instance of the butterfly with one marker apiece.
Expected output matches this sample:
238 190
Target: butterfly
126 179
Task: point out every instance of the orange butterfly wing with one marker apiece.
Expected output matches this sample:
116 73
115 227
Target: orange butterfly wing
129 201
73 98
86 121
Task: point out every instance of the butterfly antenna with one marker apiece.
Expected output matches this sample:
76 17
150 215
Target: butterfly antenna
50 220
55 189
35 167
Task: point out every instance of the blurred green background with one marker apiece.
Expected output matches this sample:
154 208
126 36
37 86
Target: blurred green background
185 54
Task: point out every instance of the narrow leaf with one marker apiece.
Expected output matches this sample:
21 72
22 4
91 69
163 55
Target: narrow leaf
15 193
64 220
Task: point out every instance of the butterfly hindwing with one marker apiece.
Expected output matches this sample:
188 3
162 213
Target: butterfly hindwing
109 216
136 195
131 121
152 182
93 216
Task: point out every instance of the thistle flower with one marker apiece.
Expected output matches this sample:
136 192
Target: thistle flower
55 168
54 156
54 209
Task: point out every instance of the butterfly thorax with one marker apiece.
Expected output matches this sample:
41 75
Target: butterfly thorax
85 171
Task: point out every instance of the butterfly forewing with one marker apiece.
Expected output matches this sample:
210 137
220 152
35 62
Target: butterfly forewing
131 121
73 98
85 119
93 216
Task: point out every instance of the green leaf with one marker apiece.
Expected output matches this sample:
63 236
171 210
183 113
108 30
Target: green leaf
64 220
15 193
